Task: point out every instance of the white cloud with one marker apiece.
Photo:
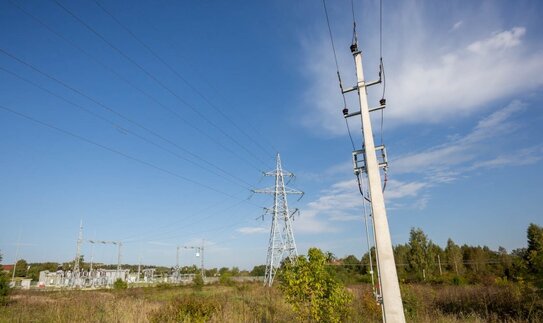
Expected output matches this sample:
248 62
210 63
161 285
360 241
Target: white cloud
499 41
431 76
521 157
440 160
397 189
463 81
438 165
252 230
310 222
457 25
342 202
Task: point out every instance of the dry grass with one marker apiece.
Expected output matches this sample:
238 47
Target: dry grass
254 303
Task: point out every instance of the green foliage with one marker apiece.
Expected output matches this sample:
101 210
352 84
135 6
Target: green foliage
310 288
259 270
212 272
35 268
422 252
226 279
4 285
534 253
198 282
120 284
21 268
186 309
453 257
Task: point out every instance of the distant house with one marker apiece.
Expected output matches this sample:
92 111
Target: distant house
7 268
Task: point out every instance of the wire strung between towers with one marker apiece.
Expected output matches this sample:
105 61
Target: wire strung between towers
113 150
176 73
160 83
122 116
337 70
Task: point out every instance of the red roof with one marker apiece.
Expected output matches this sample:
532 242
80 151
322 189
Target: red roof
7 267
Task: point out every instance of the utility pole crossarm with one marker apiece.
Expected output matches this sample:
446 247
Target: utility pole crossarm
275 172
269 190
272 190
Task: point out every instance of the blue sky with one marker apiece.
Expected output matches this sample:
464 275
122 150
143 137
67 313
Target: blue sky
95 126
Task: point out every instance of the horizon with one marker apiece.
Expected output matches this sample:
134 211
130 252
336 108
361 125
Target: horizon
152 123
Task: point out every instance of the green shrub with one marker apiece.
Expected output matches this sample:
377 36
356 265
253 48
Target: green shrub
309 286
4 289
226 279
120 284
198 282
187 309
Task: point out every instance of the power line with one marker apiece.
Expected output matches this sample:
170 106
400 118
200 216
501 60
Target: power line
154 78
125 130
113 150
174 71
108 68
156 233
152 98
119 115
337 69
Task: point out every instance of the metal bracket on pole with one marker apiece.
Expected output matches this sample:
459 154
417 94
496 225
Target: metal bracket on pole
359 160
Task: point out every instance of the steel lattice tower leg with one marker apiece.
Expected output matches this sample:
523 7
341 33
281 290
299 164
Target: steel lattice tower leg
281 241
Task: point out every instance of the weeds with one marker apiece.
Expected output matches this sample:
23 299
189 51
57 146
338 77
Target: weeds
251 302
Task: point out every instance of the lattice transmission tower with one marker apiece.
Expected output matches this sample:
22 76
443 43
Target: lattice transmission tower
282 244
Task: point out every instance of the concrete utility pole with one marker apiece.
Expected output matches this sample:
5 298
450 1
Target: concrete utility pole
388 277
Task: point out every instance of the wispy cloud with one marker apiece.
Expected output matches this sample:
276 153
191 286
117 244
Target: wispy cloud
463 81
428 81
342 202
444 160
457 25
445 163
252 230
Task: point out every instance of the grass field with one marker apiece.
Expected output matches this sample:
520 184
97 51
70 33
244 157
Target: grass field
254 303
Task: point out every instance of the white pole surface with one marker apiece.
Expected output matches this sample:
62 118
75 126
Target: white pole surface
390 287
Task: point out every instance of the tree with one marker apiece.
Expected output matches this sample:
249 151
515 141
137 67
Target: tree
534 252
259 270
401 253
223 270
352 264
4 285
420 257
453 257
212 272
20 268
308 285
198 281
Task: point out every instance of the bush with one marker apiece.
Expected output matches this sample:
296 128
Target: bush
198 282
120 284
4 289
309 286
4 285
226 279
186 309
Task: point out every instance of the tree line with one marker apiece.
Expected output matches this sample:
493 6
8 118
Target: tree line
422 260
